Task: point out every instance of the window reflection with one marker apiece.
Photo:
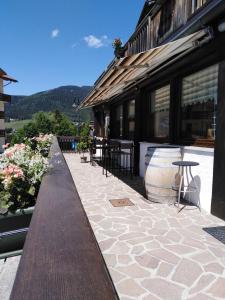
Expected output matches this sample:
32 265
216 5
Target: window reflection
198 105
160 104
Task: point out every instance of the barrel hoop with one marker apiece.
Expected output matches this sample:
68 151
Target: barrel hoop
159 186
155 196
163 156
162 167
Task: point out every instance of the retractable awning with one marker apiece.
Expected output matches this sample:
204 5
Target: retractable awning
128 71
8 78
5 76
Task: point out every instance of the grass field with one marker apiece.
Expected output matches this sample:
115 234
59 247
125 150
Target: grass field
16 124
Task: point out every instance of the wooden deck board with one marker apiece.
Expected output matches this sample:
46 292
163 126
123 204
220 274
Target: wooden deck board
61 258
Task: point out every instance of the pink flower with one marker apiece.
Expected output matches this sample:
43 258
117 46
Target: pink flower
6 146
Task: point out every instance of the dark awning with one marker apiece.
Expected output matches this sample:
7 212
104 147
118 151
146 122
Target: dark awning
126 72
7 78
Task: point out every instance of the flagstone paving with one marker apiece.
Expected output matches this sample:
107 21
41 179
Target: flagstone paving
8 271
151 251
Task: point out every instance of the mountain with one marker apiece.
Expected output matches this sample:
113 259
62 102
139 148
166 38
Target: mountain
61 98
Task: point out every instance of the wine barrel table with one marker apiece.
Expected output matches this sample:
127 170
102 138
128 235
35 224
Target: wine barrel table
160 173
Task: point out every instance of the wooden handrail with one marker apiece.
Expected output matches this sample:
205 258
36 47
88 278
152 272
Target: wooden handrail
61 258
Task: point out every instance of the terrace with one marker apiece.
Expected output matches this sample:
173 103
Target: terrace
150 251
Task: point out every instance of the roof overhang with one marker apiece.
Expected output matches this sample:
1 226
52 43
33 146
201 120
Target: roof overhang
7 78
128 71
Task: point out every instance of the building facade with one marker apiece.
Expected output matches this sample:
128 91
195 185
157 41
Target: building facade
168 88
3 99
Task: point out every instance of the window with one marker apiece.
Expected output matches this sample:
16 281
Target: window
119 120
131 118
196 4
198 104
160 104
166 18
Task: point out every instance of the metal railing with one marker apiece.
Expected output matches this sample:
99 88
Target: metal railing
113 156
68 143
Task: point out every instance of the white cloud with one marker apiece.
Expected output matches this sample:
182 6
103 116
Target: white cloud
55 33
74 45
95 42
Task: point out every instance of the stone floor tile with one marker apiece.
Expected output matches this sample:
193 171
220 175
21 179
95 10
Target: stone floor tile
147 261
203 257
131 235
180 249
164 269
110 259
187 272
119 248
137 249
106 244
116 276
134 271
124 259
131 288
201 296
173 236
163 289
165 255
214 268
150 297
218 288
152 245
204 281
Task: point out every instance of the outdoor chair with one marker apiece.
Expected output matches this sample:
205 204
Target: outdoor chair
96 151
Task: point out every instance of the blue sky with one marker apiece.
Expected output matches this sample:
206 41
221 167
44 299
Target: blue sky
49 43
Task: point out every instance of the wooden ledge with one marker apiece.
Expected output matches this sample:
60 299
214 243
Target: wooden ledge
61 258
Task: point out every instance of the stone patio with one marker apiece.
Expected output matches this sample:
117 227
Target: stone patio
8 271
151 251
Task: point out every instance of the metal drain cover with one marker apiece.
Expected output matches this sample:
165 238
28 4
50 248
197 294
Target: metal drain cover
121 202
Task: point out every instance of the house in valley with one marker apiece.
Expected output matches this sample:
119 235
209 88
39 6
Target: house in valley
3 99
168 87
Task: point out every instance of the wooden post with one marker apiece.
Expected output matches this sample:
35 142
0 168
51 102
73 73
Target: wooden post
218 193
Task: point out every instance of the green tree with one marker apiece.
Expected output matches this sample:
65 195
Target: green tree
43 122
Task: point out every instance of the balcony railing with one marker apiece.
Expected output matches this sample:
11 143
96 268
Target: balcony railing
61 258
5 97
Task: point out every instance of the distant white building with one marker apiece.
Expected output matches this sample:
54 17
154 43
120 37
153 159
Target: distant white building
3 98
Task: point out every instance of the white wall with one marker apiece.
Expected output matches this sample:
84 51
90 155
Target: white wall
203 173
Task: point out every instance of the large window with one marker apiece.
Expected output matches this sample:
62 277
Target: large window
131 118
196 4
160 104
198 104
119 120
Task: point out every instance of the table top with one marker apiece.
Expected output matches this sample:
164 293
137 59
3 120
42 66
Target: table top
185 163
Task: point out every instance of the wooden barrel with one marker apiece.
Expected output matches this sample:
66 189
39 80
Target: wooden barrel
160 173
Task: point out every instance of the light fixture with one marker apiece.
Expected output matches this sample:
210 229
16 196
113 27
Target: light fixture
221 27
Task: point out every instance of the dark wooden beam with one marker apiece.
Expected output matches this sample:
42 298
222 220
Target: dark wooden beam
218 193
61 258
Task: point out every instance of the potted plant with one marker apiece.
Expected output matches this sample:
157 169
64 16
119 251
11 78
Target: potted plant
118 49
82 147
21 171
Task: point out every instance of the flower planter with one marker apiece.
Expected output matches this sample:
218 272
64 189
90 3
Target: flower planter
12 244
119 53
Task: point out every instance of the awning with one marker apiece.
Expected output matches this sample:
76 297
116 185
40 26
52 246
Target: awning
124 73
7 78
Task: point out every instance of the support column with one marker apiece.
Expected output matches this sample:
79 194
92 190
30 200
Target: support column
218 193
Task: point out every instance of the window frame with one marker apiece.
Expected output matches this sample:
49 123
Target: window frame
199 142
